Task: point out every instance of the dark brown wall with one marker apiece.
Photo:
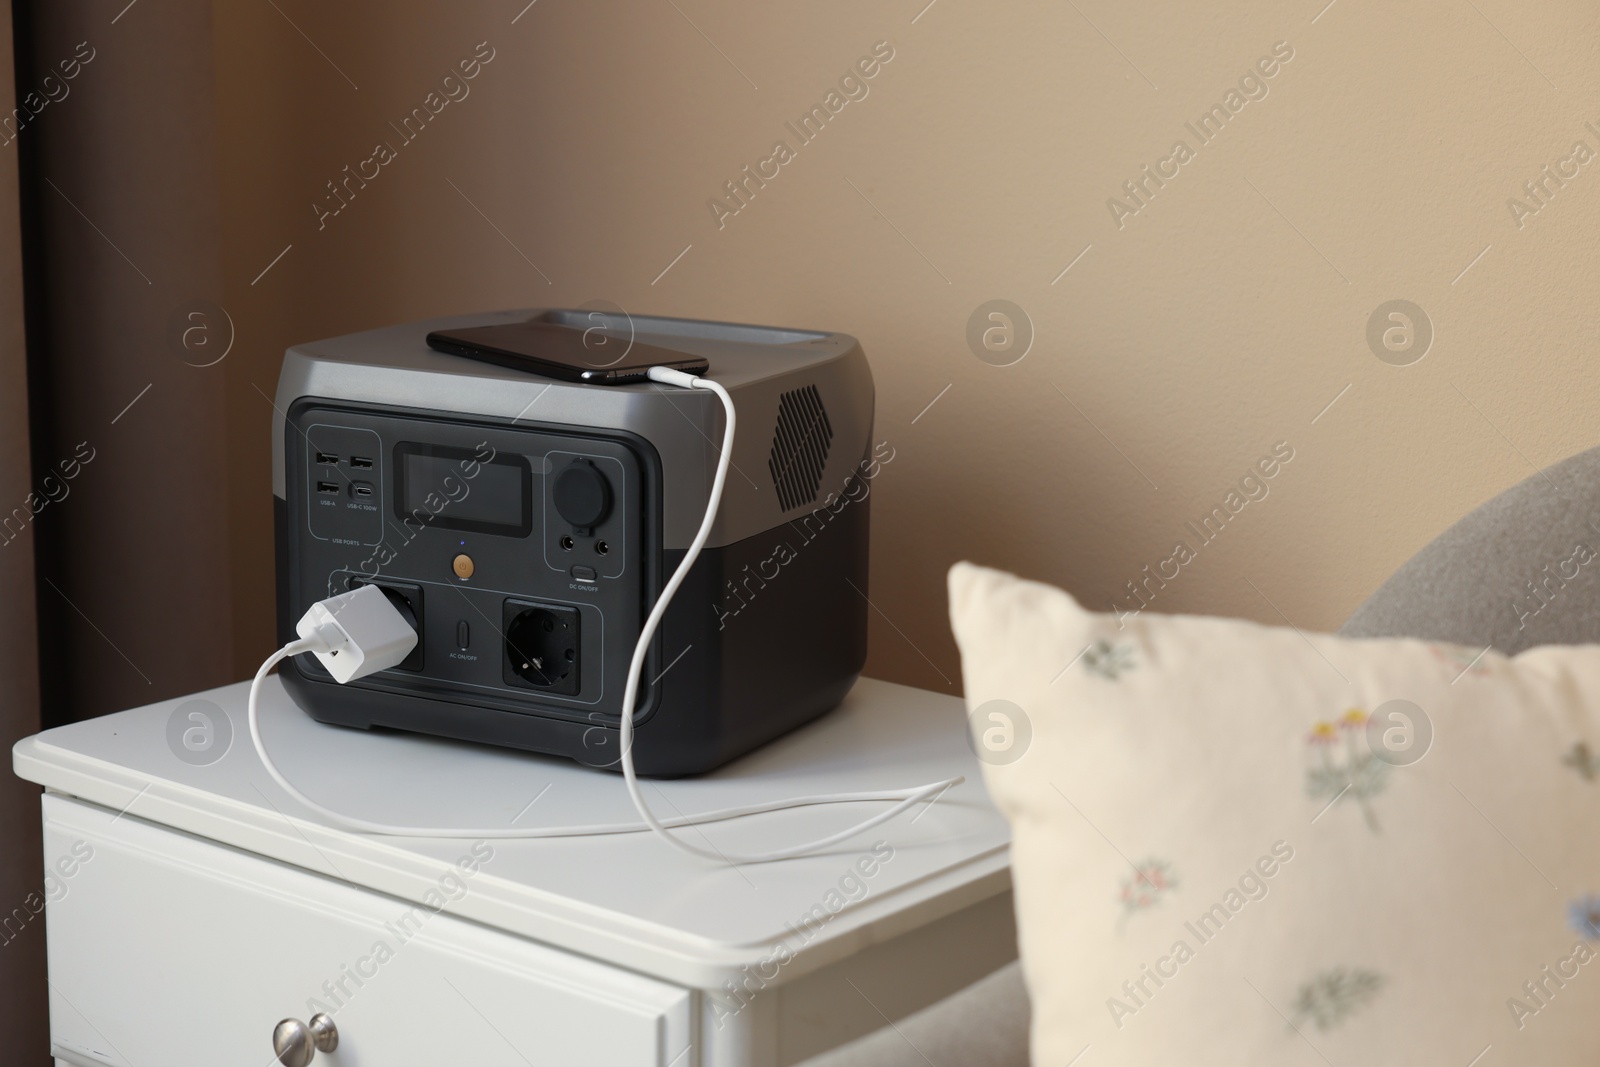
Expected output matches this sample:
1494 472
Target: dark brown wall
22 985
136 555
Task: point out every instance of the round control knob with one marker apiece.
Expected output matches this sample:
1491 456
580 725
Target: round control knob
582 495
297 1044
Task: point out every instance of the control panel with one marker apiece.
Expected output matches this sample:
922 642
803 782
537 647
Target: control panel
518 551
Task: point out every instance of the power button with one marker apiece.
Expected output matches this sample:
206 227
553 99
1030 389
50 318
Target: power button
463 566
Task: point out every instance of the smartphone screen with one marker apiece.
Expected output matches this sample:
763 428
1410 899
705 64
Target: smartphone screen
564 352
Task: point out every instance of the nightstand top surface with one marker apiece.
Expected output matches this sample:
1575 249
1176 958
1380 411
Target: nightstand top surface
628 899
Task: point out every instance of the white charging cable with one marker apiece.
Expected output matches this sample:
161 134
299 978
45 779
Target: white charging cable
352 625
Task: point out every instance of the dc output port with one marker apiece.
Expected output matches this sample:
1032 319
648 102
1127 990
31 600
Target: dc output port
601 548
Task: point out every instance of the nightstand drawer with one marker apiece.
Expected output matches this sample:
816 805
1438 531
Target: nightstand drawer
166 949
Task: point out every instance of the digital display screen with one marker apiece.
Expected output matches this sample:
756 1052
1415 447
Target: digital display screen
458 489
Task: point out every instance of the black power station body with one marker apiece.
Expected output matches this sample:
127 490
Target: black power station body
525 526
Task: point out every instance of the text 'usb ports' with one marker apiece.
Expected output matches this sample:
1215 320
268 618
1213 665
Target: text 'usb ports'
361 490
361 463
328 487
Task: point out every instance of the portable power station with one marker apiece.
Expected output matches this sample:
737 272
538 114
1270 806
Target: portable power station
525 526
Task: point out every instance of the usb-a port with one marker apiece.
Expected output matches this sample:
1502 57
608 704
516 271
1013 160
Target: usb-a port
327 458
361 463
328 487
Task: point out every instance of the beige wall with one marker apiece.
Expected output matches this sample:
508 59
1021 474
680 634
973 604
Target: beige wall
1220 319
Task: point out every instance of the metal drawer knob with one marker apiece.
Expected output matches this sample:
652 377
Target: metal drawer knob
297 1044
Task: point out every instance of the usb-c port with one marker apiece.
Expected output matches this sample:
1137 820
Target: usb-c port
361 463
328 487
360 490
327 458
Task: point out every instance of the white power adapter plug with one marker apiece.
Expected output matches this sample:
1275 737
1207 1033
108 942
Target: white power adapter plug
356 633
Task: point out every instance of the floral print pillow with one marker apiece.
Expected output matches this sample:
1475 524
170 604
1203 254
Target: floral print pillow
1248 845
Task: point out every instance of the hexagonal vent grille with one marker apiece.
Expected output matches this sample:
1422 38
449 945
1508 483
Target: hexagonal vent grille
799 447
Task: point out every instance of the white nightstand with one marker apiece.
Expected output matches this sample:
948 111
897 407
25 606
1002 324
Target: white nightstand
194 904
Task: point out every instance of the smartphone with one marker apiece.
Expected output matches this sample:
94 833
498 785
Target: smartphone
566 353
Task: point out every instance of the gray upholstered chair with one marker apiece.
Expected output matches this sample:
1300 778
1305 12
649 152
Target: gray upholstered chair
1517 572
1512 574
